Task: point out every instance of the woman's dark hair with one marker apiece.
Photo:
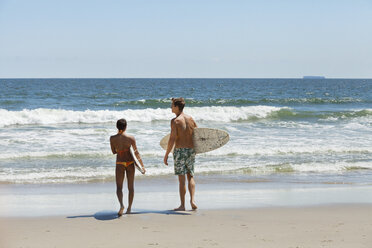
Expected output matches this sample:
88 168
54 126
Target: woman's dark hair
121 124
179 102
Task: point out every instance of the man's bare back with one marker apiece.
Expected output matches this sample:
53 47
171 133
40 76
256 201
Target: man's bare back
184 125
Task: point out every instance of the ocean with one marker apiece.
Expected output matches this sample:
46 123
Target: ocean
292 142
309 130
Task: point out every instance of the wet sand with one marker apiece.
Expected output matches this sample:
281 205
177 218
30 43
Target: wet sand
212 193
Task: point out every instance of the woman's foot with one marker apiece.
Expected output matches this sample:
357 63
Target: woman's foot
120 213
128 211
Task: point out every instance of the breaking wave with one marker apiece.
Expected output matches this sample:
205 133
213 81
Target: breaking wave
44 116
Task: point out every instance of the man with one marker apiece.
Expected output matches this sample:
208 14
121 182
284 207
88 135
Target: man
182 129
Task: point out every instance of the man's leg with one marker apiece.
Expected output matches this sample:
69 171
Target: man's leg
182 190
119 174
191 182
130 179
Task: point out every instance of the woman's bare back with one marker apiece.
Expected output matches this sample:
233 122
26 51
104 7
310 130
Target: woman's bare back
120 145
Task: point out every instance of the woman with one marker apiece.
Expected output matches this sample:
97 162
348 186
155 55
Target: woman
120 145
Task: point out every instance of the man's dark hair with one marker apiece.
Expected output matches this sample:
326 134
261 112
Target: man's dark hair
179 102
121 124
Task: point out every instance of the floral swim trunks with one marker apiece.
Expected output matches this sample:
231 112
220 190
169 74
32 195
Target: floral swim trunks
184 160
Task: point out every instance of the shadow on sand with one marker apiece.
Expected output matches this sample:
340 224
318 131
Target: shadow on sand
111 215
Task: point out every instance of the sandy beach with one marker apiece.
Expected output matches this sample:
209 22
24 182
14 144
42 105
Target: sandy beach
323 226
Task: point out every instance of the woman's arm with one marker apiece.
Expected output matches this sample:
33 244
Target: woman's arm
112 146
134 145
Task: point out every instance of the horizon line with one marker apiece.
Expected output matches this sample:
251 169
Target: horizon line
1 78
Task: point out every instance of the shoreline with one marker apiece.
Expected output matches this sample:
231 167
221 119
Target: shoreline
338 226
161 194
107 215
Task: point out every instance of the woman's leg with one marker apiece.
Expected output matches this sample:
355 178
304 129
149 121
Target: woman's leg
119 174
130 179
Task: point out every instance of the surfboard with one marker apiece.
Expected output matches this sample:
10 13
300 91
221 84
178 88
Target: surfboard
136 162
205 139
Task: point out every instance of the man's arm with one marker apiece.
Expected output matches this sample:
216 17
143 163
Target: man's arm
112 146
195 126
171 141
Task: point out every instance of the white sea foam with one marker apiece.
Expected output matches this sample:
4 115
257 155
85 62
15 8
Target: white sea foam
223 152
81 174
56 175
44 116
303 149
56 155
73 153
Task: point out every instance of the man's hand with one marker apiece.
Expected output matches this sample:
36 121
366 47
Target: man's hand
166 159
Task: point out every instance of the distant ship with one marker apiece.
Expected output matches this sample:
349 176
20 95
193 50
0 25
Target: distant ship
313 77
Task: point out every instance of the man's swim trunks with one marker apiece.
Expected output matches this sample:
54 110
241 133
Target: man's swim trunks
184 160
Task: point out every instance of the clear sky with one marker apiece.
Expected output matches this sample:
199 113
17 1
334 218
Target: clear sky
190 38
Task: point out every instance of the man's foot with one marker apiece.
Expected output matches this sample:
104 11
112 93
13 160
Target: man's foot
180 208
193 206
128 211
120 213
